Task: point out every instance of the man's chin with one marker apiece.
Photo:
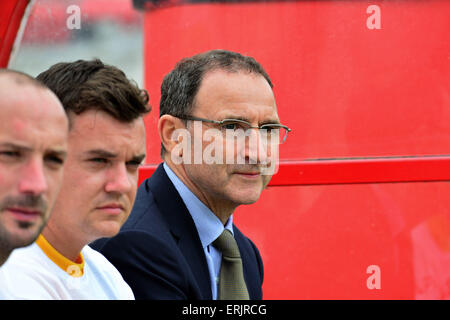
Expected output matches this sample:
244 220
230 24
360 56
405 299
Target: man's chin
107 230
246 196
23 239
248 201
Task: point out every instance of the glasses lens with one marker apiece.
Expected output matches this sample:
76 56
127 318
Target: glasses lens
283 135
271 134
274 134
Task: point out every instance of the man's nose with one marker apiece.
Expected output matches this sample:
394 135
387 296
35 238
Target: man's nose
118 180
257 147
33 179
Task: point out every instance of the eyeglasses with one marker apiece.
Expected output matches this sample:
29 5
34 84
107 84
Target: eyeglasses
234 125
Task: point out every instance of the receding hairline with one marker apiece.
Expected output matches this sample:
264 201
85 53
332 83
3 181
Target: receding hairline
232 71
21 78
12 82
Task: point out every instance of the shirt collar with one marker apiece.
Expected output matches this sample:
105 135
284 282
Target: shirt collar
74 269
209 226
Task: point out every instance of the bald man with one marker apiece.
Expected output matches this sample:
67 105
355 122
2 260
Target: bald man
33 147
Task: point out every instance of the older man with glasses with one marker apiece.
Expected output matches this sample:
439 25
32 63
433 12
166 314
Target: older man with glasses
180 241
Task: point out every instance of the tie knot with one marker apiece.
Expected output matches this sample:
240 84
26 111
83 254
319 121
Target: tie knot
227 245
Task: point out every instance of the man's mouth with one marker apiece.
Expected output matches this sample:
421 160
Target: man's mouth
24 214
248 174
111 208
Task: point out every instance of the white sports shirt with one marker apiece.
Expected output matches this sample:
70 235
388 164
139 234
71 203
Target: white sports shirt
39 272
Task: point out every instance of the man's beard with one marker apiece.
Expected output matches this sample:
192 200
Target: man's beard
9 241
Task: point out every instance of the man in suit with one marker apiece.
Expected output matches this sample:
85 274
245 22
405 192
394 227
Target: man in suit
170 247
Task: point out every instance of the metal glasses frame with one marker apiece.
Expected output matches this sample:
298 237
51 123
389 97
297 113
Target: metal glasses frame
248 124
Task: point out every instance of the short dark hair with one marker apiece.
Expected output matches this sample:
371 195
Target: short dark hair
92 85
180 86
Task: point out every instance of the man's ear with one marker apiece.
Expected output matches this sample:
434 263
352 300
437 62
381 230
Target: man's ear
167 129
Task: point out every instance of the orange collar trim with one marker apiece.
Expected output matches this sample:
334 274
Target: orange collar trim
73 269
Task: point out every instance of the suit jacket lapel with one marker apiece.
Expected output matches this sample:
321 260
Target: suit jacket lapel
182 227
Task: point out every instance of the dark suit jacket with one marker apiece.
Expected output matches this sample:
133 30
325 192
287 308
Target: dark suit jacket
158 250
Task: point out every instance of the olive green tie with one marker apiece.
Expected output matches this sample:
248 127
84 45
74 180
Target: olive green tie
231 282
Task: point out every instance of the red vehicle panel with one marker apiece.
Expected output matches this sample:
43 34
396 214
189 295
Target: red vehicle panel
347 91
11 13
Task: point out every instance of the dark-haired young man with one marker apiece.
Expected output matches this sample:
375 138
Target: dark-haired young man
106 145
33 147
180 241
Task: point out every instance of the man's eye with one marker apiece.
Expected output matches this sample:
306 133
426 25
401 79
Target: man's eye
270 129
54 159
232 126
133 164
98 160
9 154
229 126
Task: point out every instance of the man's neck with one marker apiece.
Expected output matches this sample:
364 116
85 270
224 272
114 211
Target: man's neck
223 210
68 247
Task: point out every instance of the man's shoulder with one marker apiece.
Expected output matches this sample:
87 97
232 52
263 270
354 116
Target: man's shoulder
27 274
151 195
241 237
25 258
97 264
95 258
144 203
146 228
145 213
